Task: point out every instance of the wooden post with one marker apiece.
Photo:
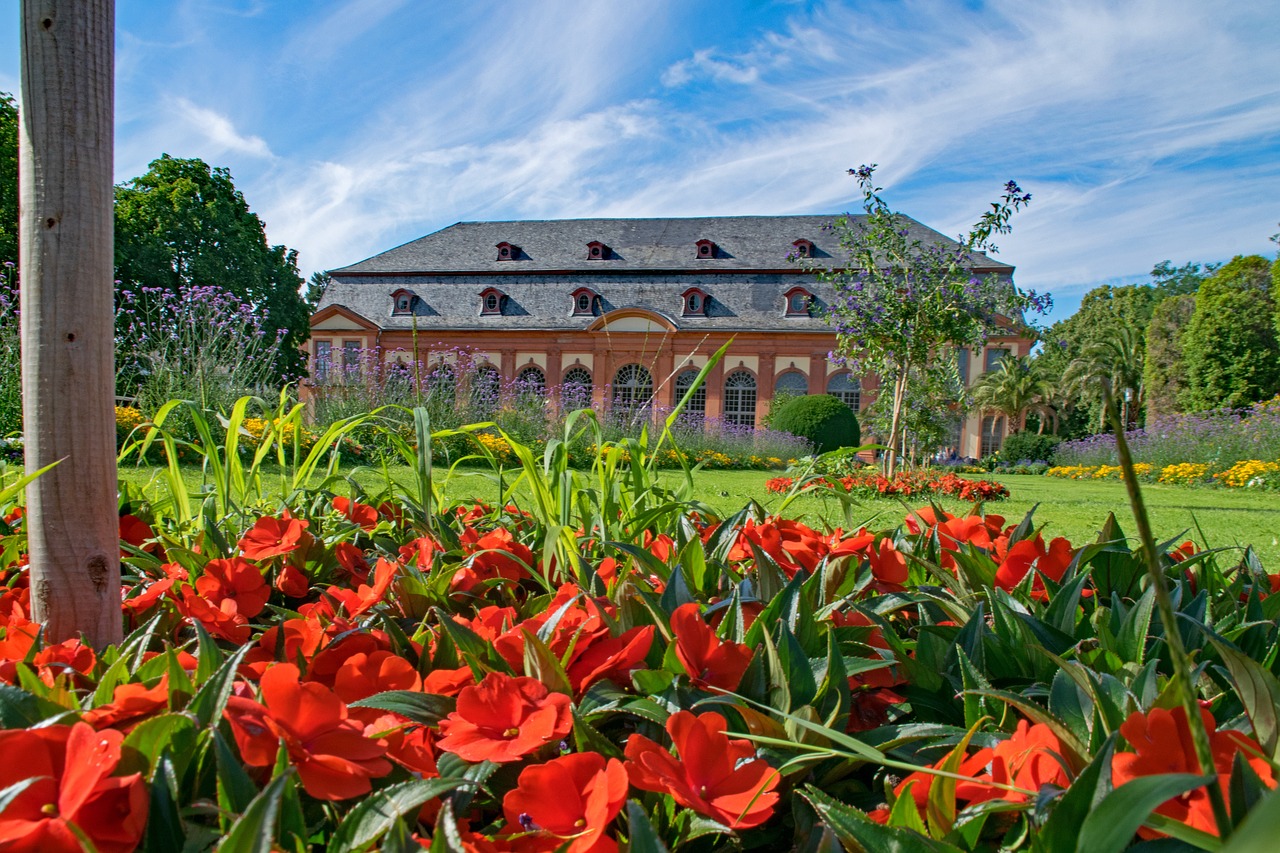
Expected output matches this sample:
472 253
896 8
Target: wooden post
68 367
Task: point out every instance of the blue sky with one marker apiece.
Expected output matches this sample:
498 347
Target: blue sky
1145 131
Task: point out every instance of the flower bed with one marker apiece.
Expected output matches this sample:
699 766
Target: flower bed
352 672
904 484
1251 474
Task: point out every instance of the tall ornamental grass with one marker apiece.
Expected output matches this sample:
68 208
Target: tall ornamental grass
1219 439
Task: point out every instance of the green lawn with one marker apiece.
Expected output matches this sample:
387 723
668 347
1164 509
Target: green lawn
1075 509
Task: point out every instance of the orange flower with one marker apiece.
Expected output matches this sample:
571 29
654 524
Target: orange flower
888 567
273 537
225 622
335 760
72 767
504 718
496 555
1030 759
351 560
357 513
792 545
709 662
235 580
717 777
573 798
1162 743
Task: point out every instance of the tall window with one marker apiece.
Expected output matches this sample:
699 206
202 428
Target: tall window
792 383
575 389
323 361
350 354
442 386
740 398
846 389
993 359
992 434
532 382
485 387
962 358
697 408
632 388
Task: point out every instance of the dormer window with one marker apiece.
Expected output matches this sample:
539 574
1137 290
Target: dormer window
803 248
402 302
491 300
798 302
706 249
584 302
597 251
695 302
508 251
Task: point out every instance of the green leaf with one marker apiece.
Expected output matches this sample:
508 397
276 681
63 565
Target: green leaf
1111 825
211 699
20 709
1259 692
1062 829
174 733
1258 832
643 838
858 832
235 789
255 831
378 812
1131 640
426 708
165 830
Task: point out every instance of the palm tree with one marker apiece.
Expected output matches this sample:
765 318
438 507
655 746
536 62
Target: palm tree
1116 357
1014 388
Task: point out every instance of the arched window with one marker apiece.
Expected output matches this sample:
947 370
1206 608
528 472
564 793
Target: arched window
696 410
992 434
846 389
632 388
532 382
793 383
575 389
442 385
740 398
485 387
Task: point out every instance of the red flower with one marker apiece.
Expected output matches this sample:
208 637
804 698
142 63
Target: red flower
1052 562
335 760
504 718
362 675
273 537
357 513
72 766
1031 758
573 798
1162 744
709 662
130 704
235 580
352 561
496 555
888 567
226 622
715 776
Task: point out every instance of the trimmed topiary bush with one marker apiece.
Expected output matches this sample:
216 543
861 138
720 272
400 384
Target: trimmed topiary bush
822 419
1028 447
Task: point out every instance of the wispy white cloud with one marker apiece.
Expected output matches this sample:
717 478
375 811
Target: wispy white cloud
218 131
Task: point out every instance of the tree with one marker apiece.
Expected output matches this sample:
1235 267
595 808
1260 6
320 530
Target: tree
8 179
315 289
1164 373
1230 346
184 224
899 300
1017 386
1116 358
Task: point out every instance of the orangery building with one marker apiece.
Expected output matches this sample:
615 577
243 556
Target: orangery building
623 311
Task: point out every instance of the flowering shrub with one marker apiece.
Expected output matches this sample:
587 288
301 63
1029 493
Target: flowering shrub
608 668
904 484
1184 473
1251 473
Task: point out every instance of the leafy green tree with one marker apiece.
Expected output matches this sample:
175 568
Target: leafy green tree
1014 388
1115 357
899 300
315 289
1180 281
1164 374
1230 346
185 225
8 179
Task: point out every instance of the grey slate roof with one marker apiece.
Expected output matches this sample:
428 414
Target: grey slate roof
743 242
653 262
